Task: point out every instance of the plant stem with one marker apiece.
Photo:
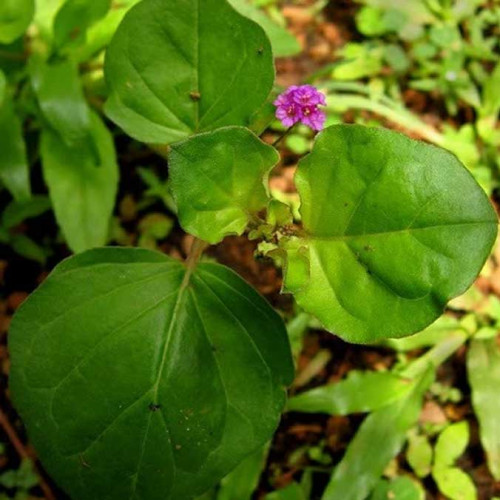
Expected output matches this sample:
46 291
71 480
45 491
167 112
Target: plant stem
282 136
197 248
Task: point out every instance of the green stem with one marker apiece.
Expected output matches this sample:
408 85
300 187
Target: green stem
282 136
197 249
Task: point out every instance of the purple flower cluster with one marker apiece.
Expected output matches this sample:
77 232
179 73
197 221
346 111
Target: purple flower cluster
300 104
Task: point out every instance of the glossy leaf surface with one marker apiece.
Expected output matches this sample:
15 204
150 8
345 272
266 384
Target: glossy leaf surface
393 229
177 68
359 392
139 379
483 369
82 188
218 181
15 17
378 440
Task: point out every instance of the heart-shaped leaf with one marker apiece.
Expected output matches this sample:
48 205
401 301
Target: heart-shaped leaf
139 378
218 181
393 229
177 68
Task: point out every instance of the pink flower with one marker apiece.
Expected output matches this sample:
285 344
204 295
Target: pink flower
313 117
300 103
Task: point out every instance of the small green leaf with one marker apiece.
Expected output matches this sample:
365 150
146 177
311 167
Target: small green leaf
454 483
60 95
140 378
14 169
378 440
360 392
75 17
24 478
393 229
483 370
15 17
419 454
82 191
399 488
219 180
219 71
278 214
283 42
451 443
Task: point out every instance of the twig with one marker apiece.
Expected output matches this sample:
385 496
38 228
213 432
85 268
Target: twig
23 453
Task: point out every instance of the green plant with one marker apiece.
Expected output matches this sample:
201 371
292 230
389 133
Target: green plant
211 359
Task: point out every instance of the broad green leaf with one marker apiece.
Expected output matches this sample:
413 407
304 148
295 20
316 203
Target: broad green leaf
60 95
419 454
284 44
242 481
451 443
483 370
75 17
82 190
454 483
15 17
379 439
18 211
140 378
359 392
14 168
399 488
393 229
177 68
218 181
